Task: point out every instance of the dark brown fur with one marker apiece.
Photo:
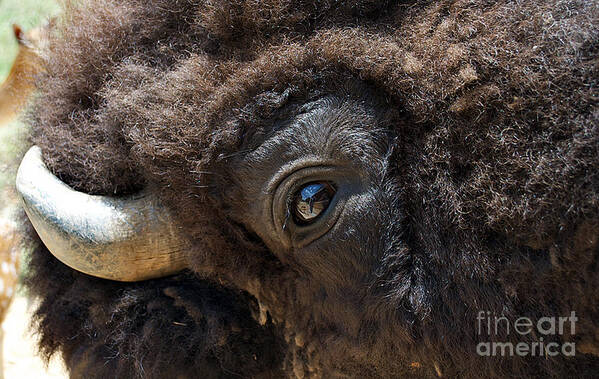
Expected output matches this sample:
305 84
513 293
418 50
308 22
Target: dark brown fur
490 111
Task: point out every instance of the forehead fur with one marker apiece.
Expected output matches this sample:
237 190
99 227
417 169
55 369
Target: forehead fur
135 90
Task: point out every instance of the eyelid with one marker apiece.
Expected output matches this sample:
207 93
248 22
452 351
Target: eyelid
291 168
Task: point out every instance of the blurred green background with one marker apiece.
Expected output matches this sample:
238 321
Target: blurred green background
27 14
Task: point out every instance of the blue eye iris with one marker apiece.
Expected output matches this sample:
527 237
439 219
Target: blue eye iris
311 201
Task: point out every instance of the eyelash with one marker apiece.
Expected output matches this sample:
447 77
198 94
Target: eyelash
287 211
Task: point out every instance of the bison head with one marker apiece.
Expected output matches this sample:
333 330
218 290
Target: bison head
315 188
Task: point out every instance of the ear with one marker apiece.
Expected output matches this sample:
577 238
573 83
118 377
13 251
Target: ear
19 35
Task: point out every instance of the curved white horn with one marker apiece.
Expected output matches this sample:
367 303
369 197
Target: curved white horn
120 238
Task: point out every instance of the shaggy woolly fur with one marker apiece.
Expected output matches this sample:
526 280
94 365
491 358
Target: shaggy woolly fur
483 113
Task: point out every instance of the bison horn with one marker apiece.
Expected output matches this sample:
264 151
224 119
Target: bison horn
120 238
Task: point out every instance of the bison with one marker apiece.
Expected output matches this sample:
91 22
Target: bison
317 189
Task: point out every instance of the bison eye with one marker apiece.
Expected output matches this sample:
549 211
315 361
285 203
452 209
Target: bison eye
305 206
311 201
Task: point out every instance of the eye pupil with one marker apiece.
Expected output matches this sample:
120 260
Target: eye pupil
311 201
